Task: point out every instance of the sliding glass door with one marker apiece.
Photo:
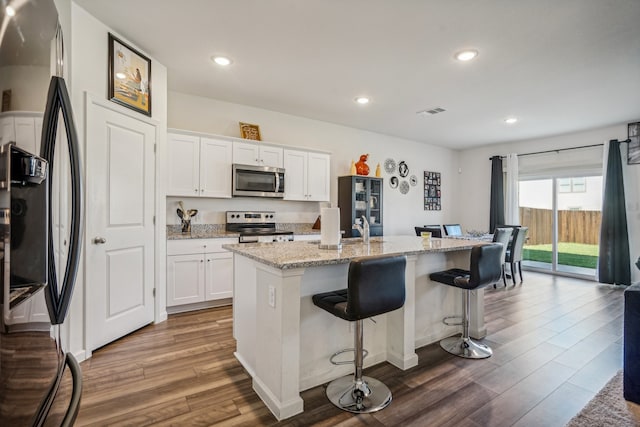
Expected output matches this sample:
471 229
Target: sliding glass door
563 215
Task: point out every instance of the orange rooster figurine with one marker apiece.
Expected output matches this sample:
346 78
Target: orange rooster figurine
361 167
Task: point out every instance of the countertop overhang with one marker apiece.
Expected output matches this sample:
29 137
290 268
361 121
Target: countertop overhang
302 254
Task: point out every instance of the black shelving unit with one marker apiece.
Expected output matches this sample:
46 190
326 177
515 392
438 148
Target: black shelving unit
360 196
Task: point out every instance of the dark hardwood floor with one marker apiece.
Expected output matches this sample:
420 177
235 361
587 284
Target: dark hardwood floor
556 342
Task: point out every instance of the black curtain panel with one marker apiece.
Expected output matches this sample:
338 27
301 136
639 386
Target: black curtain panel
613 261
496 212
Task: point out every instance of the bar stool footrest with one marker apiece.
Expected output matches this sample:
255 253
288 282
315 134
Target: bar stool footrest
447 322
346 362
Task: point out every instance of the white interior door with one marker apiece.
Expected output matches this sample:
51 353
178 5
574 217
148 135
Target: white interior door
120 231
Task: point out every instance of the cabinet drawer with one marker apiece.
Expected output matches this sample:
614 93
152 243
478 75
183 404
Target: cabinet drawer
198 246
215 245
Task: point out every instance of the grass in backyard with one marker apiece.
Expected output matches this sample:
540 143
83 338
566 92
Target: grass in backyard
576 254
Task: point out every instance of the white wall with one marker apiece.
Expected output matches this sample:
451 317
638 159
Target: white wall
89 49
475 177
401 212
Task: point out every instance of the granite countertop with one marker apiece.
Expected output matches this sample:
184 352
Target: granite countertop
301 254
217 231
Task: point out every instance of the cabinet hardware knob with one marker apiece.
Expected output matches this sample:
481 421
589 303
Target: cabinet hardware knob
99 240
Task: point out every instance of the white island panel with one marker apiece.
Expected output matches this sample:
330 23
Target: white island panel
285 341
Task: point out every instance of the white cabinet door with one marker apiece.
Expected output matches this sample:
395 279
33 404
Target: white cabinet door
246 153
307 175
39 312
219 275
20 314
184 165
26 134
271 156
185 279
295 165
215 167
249 153
318 177
7 130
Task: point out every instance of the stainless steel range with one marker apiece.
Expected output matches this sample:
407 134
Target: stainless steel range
256 226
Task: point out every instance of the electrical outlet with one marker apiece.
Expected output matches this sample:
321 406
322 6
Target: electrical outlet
272 296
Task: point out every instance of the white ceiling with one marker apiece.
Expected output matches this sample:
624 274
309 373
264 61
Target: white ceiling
560 66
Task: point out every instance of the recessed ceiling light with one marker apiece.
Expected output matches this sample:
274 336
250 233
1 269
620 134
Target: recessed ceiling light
362 100
221 60
10 11
510 120
466 55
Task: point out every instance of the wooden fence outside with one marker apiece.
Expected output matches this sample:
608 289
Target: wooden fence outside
573 226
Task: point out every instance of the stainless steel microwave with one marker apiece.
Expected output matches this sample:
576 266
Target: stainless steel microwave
258 181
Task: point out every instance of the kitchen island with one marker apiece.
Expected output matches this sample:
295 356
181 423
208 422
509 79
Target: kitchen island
285 342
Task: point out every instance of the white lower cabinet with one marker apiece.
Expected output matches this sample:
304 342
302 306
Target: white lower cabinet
199 271
32 311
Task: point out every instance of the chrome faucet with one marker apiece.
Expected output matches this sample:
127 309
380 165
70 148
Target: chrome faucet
363 230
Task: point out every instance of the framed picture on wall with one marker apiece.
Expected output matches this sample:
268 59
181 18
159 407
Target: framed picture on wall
432 194
129 77
633 147
249 131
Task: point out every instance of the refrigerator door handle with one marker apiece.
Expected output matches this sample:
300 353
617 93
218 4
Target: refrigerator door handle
59 297
74 406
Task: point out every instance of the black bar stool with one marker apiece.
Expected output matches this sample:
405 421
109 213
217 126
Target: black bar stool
485 269
376 285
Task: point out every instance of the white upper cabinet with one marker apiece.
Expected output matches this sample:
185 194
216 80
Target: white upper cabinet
183 153
215 168
199 166
250 153
307 175
22 127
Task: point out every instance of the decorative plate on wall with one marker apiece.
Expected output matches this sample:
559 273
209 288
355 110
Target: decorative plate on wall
413 180
404 187
390 165
403 169
393 182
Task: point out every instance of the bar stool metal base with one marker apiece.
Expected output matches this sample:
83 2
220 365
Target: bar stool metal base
370 395
466 347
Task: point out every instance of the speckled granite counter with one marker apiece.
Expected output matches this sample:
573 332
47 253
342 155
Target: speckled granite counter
288 255
284 341
217 231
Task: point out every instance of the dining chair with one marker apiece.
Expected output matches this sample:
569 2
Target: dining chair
514 251
435 230
502 236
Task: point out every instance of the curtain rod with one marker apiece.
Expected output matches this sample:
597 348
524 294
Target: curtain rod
561 149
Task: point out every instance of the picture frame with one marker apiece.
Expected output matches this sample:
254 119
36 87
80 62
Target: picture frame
633 146
432 191
250 131
129 77
6 100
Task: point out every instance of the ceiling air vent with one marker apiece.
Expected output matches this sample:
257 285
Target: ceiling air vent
431 112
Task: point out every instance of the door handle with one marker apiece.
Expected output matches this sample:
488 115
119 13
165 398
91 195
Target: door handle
99 240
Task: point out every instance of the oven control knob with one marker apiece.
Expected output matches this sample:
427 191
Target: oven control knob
270 216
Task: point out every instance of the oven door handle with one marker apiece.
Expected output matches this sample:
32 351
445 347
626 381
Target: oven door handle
277 181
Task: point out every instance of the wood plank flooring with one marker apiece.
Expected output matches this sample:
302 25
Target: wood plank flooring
556 342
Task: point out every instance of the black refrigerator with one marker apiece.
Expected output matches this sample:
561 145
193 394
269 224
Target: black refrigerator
41 213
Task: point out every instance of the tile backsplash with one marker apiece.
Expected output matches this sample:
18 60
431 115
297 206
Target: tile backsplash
213 211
